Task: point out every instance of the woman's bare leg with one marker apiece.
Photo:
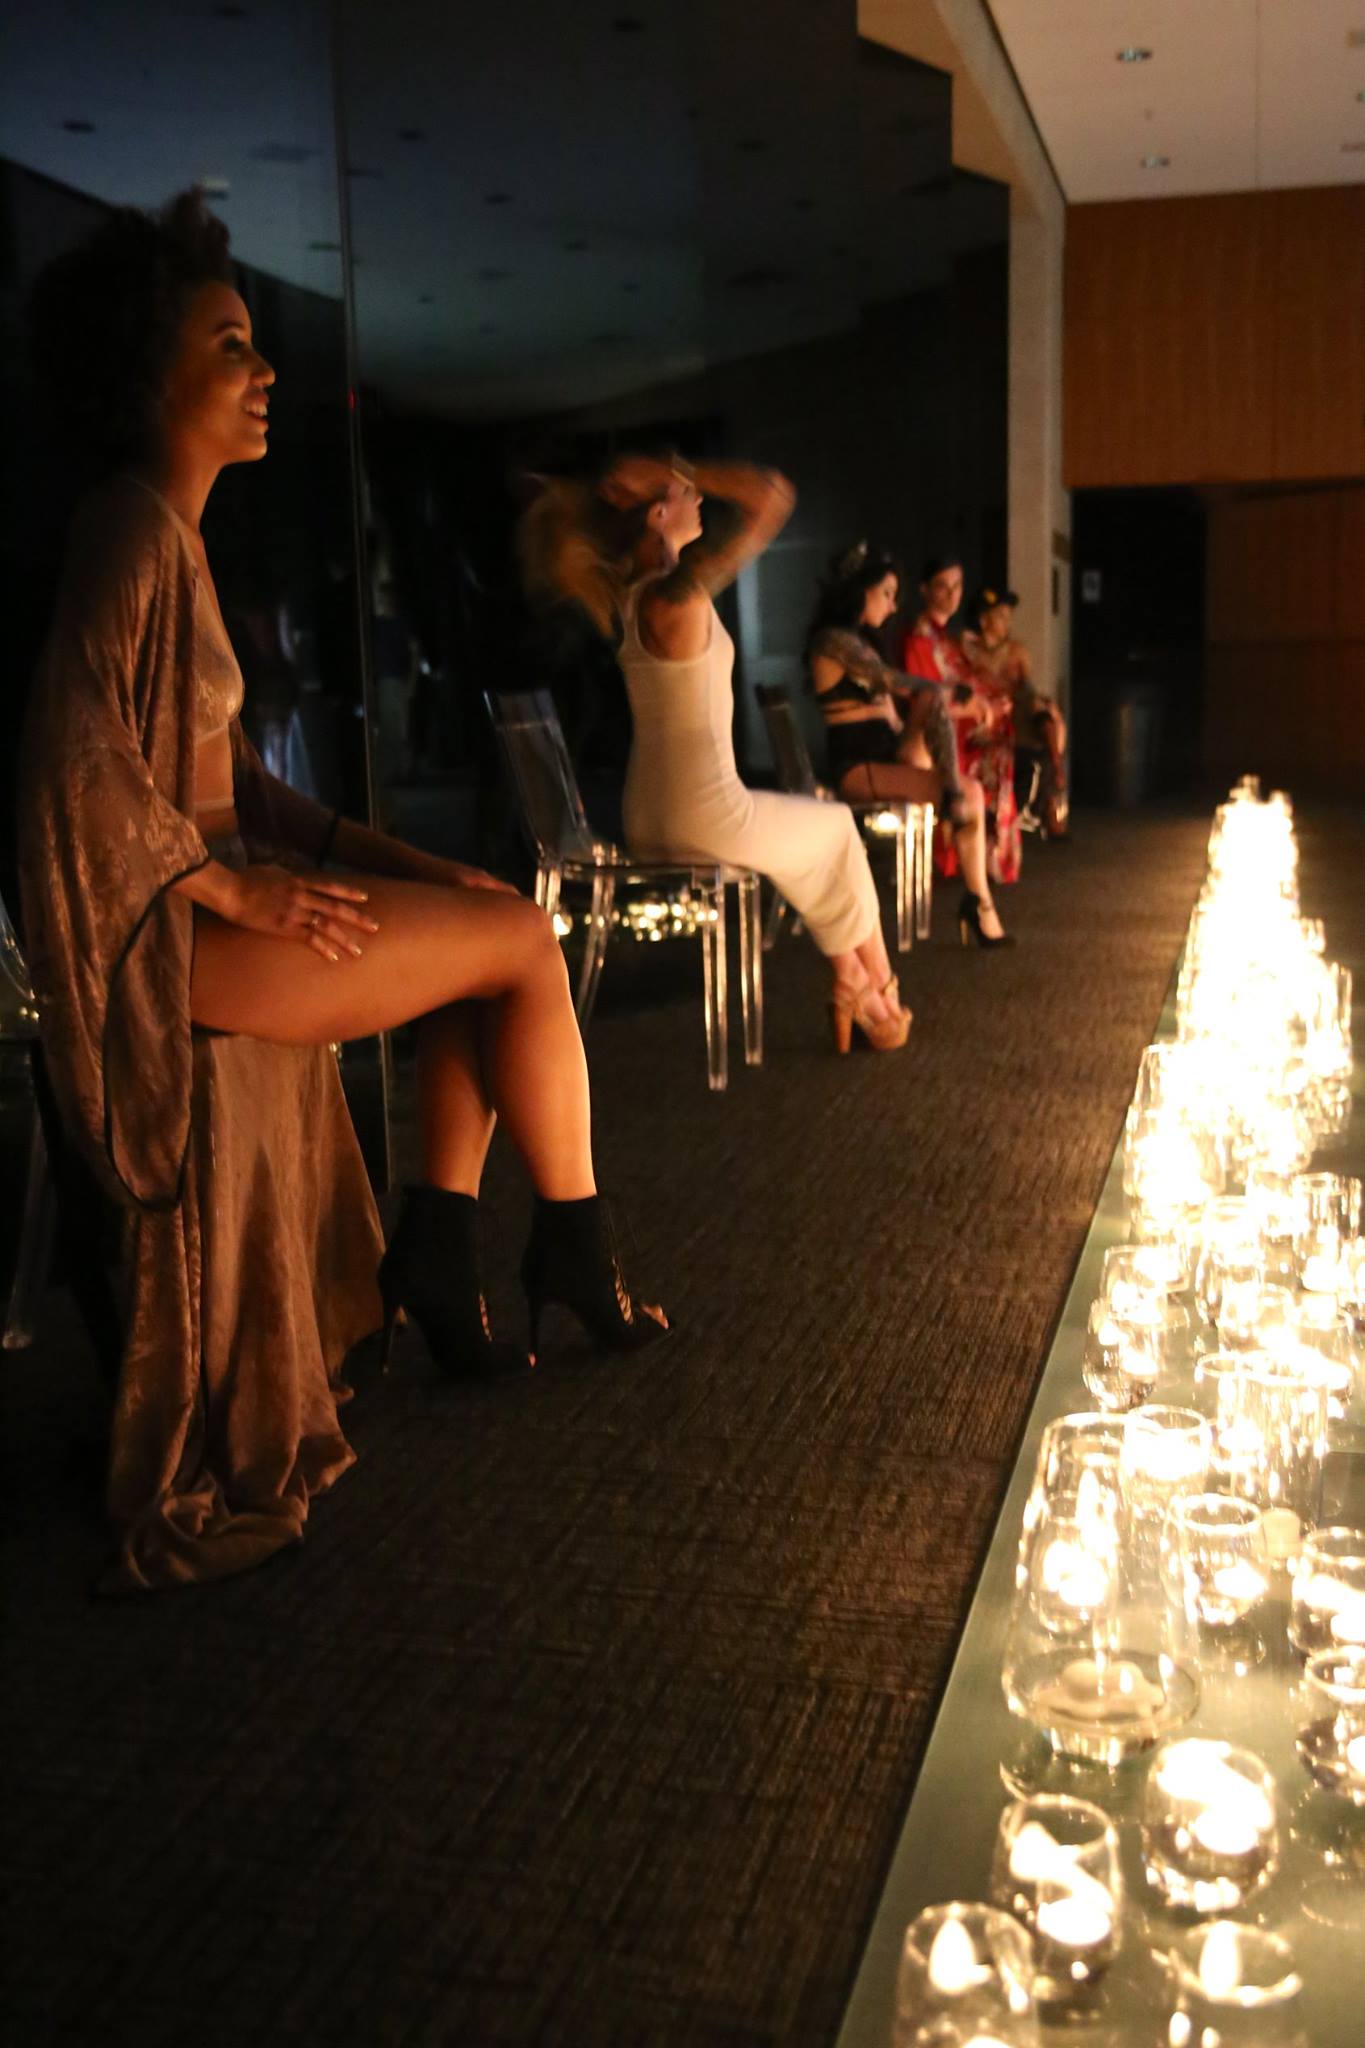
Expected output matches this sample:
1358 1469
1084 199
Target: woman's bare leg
454 1111
909 782
435 947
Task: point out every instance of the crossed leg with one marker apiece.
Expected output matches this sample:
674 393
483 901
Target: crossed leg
482 973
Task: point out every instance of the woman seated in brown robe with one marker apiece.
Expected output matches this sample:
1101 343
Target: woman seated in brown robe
193 965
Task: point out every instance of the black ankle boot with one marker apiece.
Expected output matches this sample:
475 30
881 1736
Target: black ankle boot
431 1269
571 1258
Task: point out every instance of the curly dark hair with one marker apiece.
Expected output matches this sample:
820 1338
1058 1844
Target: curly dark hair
104 320
852 573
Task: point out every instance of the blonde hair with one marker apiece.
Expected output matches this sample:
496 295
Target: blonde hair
573 545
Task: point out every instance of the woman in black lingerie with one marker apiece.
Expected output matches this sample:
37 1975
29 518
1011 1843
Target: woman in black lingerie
888 734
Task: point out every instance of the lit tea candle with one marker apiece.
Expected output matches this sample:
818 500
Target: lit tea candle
1077 1579
953 1967
1078 1921
1320 1274
1239 1584
1341 1607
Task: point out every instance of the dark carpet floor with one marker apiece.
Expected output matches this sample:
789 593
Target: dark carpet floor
588 1712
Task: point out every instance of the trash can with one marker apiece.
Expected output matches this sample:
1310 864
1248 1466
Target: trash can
1135 744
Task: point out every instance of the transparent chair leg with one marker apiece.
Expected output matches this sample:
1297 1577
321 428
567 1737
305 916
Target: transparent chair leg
751 968
904 891
595 945
548 880
924 869
777 910
34 1257
712 893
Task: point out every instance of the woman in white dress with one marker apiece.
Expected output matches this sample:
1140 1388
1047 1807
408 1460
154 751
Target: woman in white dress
631 552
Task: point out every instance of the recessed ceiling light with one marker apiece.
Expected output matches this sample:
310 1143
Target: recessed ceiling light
79 127
1154 163
214 188
1133 53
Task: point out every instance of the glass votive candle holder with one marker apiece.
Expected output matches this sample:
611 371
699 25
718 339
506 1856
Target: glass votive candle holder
1327 1609
1216 1559
1234 1986
1254 1315
1329 1347
1270 1437
1211 1368
1328 1216
966 1980
1134 1275
1072 1446
1056 1868
1165 1453
1229 1234
1122 1356
1209 1832
1331 1737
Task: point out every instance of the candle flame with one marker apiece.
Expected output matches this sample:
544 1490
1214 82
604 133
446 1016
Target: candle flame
953 1967
1220 1960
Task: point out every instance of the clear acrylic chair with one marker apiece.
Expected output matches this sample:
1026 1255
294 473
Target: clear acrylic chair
18 1039
910 825
567 851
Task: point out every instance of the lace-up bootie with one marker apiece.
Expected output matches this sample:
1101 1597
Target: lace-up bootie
571 1258
431 1269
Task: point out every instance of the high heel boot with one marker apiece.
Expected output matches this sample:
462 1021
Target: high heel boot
969 925
431 1269
571 1258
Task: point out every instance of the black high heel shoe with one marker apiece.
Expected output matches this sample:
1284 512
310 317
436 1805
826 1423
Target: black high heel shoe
431 1269
969 925
571 1258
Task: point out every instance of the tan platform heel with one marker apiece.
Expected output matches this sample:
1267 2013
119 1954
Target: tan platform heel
847 1008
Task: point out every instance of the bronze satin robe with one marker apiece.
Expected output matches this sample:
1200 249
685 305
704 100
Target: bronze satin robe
251 1237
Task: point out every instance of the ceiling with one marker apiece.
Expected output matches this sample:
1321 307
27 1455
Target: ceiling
550 204
1237 94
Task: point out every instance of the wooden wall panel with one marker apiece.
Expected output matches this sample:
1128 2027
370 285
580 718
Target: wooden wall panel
1319 407
1215 339
1275 567
1284 687
1169 341
1351 566
1293 714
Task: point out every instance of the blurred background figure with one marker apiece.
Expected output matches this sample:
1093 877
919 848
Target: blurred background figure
997 657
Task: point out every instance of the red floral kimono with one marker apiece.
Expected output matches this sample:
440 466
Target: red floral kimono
931 652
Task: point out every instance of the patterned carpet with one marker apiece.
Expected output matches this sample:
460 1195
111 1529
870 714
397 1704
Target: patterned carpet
589 1709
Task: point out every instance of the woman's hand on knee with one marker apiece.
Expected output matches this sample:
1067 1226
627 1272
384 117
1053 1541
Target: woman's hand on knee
320 913
455 875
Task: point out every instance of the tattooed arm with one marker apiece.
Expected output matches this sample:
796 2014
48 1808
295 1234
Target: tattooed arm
676 609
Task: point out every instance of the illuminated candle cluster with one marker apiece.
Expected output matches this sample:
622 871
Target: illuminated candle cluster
1163 1529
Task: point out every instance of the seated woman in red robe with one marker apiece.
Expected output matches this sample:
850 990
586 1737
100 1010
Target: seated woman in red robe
981 711
996 656
194 964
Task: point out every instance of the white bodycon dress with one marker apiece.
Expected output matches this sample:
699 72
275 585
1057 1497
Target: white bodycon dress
683 795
